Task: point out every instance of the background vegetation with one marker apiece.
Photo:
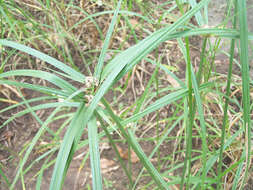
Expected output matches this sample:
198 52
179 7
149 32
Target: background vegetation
140 76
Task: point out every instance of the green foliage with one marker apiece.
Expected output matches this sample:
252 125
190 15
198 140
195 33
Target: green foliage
93 111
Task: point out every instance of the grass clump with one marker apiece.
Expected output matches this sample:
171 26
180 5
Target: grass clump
198 126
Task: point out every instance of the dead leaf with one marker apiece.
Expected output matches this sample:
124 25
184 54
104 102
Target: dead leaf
108 165
124 155
105 163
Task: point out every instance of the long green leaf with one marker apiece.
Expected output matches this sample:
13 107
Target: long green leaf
101 116
137 149
36 138
67 144
198 15
39 107
242 8
100 64
46 90
94 154
64 85
225 116
4 176
74 75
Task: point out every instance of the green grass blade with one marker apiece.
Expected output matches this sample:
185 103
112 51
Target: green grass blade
213 158
195 86
99 66
187 162
237 176
225 116
42 129
40 176
39 107
210 32
134 54
242 8
39 99
104 14
4 176
43 75
74 75
202 126
172 97
159 103
94 154
46 90
167 71
137 149
101 117
161 140
198 15
66 150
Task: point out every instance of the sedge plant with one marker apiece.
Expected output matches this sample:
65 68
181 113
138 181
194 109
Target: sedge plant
93 110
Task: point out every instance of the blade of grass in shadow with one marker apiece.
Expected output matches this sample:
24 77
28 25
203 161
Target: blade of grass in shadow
74 75
197 101
64 158
237 176
161 140
40 176
245 82
172 97
43 75
225 116
99 66
137 149
94 154
187 161
46 90
39 99
34 141
100 118
203 132
39 107
29 108
198 15
4 176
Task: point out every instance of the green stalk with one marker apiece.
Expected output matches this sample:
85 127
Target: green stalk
129 176
245 81
187 162
202 60
225 116
129 136
157 115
